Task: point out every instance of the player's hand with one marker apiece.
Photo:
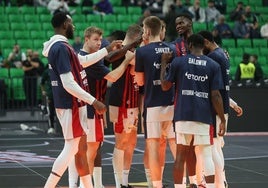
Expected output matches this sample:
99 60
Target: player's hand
116 44
222 128
99 107
238 110
166 57
129 55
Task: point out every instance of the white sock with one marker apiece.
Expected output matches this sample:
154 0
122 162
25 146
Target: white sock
184 180
118 160
162 171
125 177
97 177
72 175
180 185
192 179
86 182
210 185
148 177
52 181
157 184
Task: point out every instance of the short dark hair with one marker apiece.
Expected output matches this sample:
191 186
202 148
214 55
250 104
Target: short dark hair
207 35
58 19
185 15
246 56
196 40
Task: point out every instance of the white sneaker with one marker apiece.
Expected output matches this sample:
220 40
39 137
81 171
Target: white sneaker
24 127
51 131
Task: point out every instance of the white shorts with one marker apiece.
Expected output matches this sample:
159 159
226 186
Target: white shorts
73 124
199 133
159 129
95 130
124 120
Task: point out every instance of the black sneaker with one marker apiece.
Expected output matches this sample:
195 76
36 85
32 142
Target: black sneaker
225 184
193 186
124 186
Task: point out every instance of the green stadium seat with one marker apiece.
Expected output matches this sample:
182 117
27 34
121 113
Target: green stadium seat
240 43
116 2
38 43
6 51
227 43
35 34
4 73
262 60
16 73
244 1
96 24
254 3
263 51
230 8
33 26
237 60
7 43
93 18
49 33
17 26
233 51
45 18
135 18
81 26
5 26
125 25
31 18
134 10
4 18
78 18
25 43
15 18
120 10
251 51
6 35
261 43
21 34
232 72
2 10
42 10
261 9
27 10
199 27
17 89
109 18
124 18
12 10
46 26
110 27
265 71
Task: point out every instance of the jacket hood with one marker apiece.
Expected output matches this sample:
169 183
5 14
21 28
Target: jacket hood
47 45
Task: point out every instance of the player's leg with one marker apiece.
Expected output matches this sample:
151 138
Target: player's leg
97 171
178 168
153 130
81 163
63 160
146 167
219 164
128 155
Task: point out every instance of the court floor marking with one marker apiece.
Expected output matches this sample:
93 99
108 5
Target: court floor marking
247 170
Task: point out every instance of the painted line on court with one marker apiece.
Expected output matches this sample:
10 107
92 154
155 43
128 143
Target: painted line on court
23 146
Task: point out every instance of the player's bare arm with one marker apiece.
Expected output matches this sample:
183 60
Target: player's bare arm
118 72
119 53
218 106
165 60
